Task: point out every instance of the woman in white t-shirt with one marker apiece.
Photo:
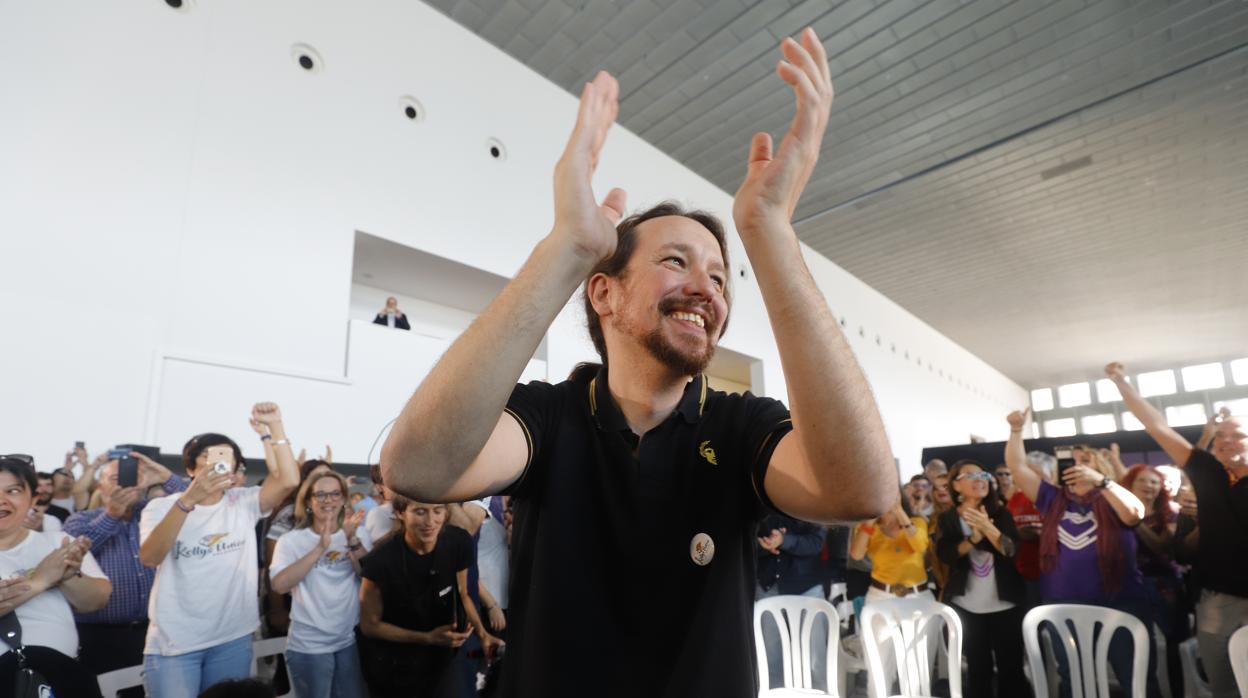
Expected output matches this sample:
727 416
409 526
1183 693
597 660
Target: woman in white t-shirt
203 607
319 564
44 576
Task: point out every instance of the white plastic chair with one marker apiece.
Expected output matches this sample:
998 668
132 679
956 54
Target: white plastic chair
795 618
1238 649
267 647
908 625
1087 652
1194 685
112 682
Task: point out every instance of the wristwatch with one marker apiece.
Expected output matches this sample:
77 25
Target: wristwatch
1104 482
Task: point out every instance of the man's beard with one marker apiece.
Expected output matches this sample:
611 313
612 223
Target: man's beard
671 356
44 499
678 361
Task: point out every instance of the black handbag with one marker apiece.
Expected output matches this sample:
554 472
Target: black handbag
28 683
40 672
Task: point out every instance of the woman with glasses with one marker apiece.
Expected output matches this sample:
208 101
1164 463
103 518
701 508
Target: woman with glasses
318 563
978 541
204 606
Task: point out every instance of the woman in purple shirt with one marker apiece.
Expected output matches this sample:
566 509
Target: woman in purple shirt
1087 545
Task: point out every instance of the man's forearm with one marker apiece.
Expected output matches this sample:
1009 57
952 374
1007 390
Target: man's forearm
1138 406
99 528
382 630
448 420
833 410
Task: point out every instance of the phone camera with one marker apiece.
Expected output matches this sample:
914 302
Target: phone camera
221 468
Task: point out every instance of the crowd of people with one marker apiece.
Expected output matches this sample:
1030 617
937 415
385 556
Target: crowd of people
181 574
620 548
379 595
1086 529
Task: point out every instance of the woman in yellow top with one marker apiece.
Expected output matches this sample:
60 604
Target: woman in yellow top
895 543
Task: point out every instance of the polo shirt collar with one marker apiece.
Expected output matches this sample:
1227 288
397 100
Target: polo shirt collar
609 417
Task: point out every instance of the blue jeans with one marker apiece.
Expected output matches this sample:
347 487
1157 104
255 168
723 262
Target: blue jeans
187 675
818 643
329 675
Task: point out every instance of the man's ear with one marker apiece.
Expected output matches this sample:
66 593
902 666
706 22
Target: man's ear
598 288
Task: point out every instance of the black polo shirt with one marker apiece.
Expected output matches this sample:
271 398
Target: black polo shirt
605 594
1222 514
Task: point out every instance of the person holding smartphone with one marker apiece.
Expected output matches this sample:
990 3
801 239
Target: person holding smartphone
113 637
415 609
204 600
1087 546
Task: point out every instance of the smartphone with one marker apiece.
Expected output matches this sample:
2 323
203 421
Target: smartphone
128 472
1065 459
221 454
80 444
116 453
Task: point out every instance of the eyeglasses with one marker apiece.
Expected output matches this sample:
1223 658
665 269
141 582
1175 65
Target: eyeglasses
327 496
981 475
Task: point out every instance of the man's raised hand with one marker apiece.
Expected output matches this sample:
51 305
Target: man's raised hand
774 180
585 224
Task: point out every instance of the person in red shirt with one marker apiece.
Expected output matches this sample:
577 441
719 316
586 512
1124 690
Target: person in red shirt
1028 520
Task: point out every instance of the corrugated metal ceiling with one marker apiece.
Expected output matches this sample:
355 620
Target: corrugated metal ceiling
947 114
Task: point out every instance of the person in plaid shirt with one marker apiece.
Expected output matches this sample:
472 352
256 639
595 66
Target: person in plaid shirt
112 637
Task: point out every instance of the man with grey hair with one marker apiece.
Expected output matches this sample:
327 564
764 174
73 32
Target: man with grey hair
1220 479
1043 463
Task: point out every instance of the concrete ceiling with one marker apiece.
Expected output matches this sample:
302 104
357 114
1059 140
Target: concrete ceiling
1050 184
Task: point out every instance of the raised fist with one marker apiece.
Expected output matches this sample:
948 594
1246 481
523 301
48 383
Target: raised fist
266 413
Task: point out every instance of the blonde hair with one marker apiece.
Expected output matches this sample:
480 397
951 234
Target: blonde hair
1101 464
303 514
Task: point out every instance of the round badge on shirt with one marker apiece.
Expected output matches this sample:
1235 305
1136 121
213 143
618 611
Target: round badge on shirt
702 549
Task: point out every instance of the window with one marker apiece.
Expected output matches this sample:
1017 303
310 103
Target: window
1203 377
1237 407
1098 424
1157 383
1074 395
1042 400
1239 371
1186 415
1130 423
1106 391
1059 427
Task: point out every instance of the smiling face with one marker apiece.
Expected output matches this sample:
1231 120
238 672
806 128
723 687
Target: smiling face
1230 443
15 501
671 298
43 495
971 482
1146 487
423 521
325 499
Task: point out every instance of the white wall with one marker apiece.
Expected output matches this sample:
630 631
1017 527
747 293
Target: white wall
178 202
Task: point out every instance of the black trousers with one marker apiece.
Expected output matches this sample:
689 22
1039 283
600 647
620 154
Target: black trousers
989 636
103 648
